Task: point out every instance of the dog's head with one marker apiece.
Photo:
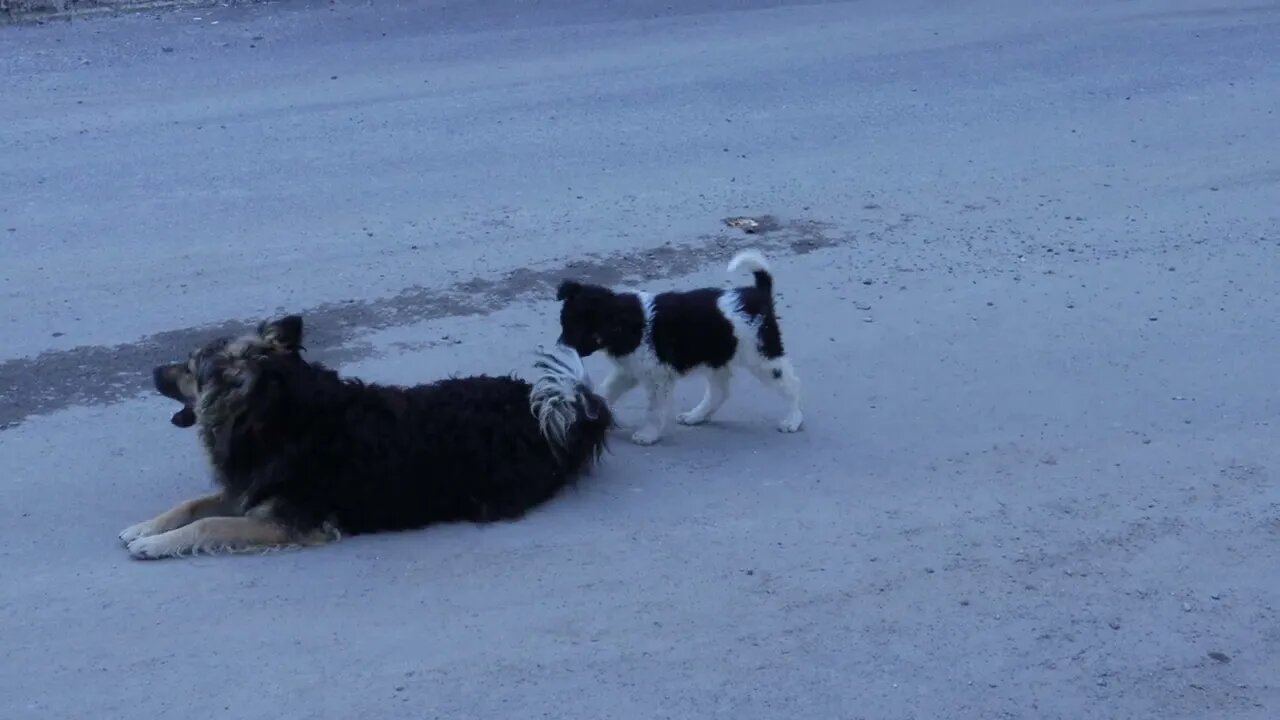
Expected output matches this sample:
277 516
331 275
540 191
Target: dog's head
218 376
594 317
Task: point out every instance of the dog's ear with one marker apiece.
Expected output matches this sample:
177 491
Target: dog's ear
568 289
285 333
622 328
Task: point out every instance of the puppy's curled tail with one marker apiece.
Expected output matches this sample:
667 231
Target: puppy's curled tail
571 416
754 262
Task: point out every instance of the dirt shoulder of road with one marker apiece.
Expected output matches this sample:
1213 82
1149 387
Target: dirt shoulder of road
18 11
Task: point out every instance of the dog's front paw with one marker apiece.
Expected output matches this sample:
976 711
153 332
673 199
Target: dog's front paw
133 532
691 418
791 423
150 547
646 436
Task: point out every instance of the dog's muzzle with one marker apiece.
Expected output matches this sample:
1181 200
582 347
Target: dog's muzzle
166 385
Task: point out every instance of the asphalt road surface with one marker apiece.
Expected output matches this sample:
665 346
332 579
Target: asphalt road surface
1028 257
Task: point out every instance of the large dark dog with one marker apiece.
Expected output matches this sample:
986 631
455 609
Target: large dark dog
303 456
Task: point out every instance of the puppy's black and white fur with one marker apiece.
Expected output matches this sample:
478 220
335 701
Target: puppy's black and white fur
653 340
302 456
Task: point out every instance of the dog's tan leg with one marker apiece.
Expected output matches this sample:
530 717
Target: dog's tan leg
184 513
224 535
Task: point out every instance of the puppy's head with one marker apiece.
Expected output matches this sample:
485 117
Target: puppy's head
591 317
218 376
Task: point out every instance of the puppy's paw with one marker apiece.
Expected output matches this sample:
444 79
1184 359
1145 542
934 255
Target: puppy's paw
691 418
791 423
150 547
646 436
133 532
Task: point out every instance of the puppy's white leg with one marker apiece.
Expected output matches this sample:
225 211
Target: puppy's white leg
616 385
780 375
222 534
659 389
717 393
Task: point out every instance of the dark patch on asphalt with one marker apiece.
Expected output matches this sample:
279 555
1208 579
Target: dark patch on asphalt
98 375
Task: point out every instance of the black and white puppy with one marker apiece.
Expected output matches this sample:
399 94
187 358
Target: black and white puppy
653 340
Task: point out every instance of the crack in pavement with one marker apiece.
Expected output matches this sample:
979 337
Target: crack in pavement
100 375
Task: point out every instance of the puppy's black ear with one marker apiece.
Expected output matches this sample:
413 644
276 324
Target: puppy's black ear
568 289
622 328
285 333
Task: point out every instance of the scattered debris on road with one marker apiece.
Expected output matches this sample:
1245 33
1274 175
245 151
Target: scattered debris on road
753 225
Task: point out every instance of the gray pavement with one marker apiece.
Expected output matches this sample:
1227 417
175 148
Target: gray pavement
1029 261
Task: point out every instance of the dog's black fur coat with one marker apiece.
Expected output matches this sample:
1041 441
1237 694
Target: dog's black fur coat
321 450
369 458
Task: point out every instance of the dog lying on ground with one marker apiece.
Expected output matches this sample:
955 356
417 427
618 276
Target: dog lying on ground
302 456
653 340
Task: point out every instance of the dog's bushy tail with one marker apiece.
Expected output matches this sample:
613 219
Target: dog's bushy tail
572 417
754 262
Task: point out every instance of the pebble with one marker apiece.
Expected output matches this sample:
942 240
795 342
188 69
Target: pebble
1186 607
